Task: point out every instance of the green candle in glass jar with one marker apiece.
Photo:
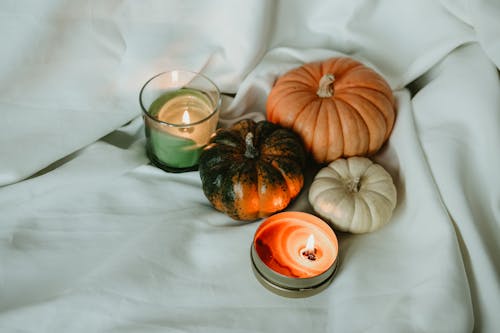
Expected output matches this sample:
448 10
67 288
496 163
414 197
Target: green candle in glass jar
178 146
178 124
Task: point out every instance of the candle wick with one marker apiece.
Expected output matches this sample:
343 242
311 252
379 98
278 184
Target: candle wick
186 129
310 254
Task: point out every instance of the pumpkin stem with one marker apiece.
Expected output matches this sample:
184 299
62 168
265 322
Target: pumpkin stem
250 151
325 88
354 185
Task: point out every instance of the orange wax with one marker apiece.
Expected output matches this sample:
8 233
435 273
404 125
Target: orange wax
281 239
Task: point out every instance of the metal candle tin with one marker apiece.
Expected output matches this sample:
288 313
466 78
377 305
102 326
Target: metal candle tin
285 284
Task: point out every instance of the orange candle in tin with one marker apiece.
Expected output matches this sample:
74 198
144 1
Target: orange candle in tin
295 251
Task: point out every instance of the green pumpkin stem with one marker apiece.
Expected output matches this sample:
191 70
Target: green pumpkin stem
250 151
325 88
354 185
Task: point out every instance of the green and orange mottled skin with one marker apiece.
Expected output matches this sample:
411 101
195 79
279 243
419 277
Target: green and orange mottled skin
252 169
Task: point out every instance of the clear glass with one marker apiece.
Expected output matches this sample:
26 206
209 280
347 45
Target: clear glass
181 112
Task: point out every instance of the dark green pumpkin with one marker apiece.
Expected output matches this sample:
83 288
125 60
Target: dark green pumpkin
252 170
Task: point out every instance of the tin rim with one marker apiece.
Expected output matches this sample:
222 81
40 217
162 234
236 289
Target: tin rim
288 286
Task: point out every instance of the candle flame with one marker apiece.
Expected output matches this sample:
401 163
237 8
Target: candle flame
309 252
310 244
185 118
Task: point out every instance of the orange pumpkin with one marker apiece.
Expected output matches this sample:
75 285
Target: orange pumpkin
339 107
252 170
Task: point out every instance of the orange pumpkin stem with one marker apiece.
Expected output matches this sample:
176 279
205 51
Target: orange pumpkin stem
325 88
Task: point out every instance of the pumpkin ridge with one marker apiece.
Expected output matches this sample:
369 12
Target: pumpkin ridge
344 198
330 168
264 171
213 157
361 147
362 76
340 166
330 183
369 208
353 90
367 166
341 125
340 66
383 196
308 69
211 188
319 140
296 74
292 190
370 73
287 92
299 111
296 81
315 110
363 121
290 159
346 86
227 194
388 116
373 137
369 101
289 168
334 124
328 192
269 152
227 139
355 67
296 118
222 166
381 180
327 133
245 179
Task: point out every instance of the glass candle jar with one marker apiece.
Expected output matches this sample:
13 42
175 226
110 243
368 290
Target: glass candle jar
181 112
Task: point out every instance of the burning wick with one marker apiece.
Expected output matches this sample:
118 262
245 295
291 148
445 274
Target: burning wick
186 120
310 251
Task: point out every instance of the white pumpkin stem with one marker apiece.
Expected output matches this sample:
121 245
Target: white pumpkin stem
354 185
325 88
250 151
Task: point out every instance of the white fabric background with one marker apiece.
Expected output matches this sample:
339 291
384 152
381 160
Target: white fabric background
95 239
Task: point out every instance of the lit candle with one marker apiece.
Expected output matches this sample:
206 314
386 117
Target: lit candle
180 113
186 119
310 250
294 254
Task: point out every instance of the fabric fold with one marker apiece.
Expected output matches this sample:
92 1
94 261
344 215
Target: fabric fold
95 238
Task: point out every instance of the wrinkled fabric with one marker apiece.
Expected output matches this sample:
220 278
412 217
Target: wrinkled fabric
93 238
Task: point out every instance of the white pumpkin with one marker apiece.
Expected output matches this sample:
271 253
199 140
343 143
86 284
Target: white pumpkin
355 195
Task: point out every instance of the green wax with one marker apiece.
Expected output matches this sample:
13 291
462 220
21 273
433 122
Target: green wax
175 151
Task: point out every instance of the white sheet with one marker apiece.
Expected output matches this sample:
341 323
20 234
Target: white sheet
95 239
